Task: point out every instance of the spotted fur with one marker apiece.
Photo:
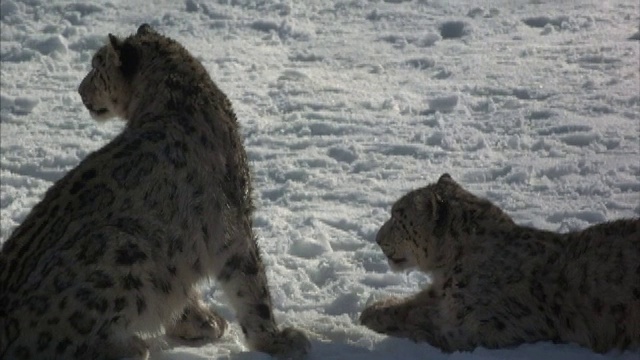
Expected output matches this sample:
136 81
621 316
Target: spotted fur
497 284
116 248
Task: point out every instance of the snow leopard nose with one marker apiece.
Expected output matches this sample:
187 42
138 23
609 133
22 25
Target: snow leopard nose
384 229
84 84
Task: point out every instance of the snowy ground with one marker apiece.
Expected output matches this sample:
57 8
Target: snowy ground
347 105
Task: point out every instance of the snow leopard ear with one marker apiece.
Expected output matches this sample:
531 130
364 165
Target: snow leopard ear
128 56
442 215
116 44
145 29
445 178
446 185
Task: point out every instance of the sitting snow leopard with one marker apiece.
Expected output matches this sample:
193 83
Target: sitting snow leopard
497 284
114 251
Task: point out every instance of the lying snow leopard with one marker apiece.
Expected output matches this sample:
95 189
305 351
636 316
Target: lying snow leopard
116 248
498 284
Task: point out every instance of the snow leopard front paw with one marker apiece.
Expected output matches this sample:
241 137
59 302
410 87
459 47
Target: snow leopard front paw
382 316
198 322
288 344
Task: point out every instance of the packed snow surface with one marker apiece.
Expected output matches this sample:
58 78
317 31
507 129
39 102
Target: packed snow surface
345 106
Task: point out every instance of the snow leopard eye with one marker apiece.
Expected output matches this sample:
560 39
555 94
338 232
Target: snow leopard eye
97 61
